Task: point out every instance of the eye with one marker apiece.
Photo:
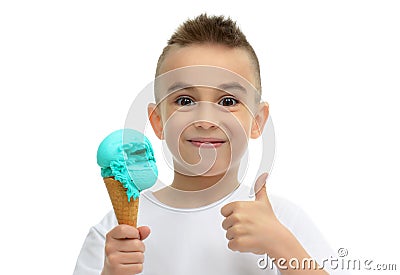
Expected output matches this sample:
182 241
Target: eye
228 101
184 101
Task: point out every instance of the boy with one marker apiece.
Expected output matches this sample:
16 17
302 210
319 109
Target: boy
205 218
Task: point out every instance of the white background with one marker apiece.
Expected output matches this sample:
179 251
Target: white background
69 71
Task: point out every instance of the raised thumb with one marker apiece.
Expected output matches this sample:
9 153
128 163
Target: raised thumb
260 189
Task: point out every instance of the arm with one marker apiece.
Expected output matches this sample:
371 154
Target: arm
290 248
91 257
251 226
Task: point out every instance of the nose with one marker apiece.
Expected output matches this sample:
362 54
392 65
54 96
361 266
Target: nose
207 115
204 124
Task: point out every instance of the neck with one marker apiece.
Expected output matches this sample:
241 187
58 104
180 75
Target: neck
197 183
196 191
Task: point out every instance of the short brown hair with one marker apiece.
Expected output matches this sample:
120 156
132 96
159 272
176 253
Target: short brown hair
211 29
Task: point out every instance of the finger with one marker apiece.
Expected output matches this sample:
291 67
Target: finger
144 232
235 244
124 231
235 232
260 189
126 258
241 244
229 235
130 245
230 221
226 224
129 269
228 209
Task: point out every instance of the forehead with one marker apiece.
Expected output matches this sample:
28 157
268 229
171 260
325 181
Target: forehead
205 78
236 60
207 65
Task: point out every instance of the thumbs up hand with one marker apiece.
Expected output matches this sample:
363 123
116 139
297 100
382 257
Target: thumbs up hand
251 226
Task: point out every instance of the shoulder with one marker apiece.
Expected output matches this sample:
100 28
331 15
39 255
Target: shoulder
288 212
302 226
291 214
284 208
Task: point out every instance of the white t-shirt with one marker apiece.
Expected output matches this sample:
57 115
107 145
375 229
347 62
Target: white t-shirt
192 241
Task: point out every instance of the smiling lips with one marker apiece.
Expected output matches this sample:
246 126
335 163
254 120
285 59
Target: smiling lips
207 142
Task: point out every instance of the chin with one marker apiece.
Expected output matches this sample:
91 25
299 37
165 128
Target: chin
221 166
218 169
213 173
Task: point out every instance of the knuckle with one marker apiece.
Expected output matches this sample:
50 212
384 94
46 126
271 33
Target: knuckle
223 210
125 229
108 249
109 235
137 268
238 230
113 260
224 224
113 269
235 217
138 245
232 245
239 205
140 258
236 244
233 230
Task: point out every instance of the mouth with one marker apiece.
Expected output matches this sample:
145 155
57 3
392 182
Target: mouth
207 142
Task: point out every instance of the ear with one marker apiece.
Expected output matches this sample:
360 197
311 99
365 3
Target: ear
259 120
153 112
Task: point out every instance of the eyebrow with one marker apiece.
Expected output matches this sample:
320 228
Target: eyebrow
232 85
226 86
178 86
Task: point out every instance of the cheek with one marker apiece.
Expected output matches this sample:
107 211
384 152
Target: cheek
174 125
238 129
245 124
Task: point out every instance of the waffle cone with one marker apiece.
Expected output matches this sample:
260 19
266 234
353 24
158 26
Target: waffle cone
126 212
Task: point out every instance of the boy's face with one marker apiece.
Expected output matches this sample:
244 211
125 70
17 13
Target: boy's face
206 127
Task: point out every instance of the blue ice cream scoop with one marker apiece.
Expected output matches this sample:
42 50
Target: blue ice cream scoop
127 155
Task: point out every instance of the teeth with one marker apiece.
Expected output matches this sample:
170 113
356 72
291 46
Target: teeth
207 141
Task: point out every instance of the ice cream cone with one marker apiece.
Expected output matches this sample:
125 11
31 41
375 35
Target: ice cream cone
125 211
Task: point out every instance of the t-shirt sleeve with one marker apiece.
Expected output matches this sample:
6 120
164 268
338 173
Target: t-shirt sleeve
307 233
91 257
